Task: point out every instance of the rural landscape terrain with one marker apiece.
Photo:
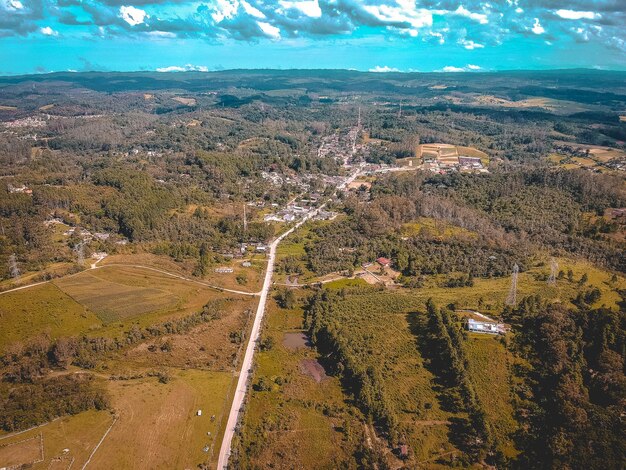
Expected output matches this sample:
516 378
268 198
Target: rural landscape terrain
320 269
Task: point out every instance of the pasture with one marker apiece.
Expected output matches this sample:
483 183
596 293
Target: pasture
43 309
58 444
157 424
116 300
103 301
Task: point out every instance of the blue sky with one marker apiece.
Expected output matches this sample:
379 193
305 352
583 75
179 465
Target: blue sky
379 35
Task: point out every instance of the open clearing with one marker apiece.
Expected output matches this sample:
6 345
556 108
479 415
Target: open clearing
23 452
101 301
42 309
79 434
158 426
113 301
449 154
185 101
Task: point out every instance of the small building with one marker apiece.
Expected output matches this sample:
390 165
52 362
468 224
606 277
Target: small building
224 270
485 327
384 262
261 248
246 264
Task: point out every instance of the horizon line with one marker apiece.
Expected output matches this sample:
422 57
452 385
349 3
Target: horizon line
459 71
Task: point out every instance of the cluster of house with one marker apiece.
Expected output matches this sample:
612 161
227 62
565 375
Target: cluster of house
296 210
618 164
278 179
25 122
229 270
86 235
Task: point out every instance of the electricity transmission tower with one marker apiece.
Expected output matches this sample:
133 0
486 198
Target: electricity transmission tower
80 253
355 132
15 271
245 219
554 268
512 298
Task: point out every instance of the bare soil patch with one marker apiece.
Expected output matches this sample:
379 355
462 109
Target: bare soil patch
295 341
185 101
313 369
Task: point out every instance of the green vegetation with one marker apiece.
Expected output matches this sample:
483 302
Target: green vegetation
155 170
41 309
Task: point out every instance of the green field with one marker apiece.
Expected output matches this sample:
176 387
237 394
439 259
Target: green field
42 309
104 301
113 301
489 366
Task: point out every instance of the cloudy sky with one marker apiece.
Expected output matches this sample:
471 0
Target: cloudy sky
377 35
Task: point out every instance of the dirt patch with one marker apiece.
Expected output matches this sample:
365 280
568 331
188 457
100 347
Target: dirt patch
313 369
185 101
22 453
295 341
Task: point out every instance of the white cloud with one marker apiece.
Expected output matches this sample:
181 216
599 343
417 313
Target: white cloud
480 17
185 68
310 8
223 9
470 45
537 28
48 31
162 34
252 11
405 12
439 36
133 16
383 69
467 68
577 15
452 68
269 30
12 4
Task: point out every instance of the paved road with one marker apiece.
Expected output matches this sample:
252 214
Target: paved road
246 366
